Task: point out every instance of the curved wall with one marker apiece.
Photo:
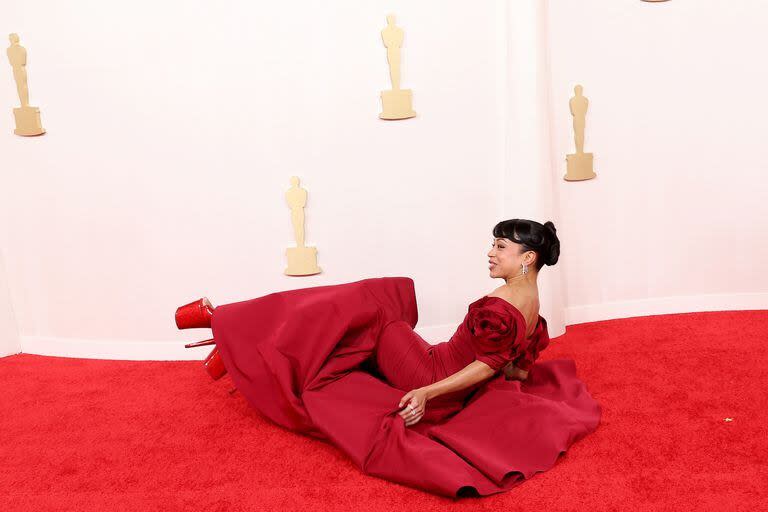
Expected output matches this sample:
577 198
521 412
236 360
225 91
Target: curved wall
173 129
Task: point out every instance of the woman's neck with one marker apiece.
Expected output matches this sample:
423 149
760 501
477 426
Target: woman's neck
526 282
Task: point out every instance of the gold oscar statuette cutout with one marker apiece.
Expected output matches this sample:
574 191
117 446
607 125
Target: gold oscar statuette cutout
396 103
302 261
27 118
580 163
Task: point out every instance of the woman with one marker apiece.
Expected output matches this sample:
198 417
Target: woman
343 363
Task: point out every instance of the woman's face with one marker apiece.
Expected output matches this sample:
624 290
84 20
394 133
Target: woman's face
503 258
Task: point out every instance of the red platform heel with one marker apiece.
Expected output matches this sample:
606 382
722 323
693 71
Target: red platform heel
199 314
214 365
195 314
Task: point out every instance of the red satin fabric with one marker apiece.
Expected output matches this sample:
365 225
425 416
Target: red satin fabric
333 362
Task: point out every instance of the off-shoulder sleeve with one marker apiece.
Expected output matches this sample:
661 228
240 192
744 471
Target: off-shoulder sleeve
525 359
493 331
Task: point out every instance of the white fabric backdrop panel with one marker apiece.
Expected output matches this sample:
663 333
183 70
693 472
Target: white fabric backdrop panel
676 219
9 334
173 130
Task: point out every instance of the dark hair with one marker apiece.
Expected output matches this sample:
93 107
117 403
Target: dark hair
533 236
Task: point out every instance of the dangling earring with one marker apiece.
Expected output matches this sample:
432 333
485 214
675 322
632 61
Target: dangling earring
525 268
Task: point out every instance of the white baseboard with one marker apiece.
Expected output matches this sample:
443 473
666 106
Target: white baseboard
144 350
132 350
666 306
9 352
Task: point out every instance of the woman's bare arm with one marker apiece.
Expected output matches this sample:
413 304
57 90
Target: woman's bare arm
473 373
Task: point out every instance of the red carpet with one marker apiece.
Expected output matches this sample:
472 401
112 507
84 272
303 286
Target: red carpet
79 434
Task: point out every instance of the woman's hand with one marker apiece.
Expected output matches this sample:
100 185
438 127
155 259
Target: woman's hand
415 402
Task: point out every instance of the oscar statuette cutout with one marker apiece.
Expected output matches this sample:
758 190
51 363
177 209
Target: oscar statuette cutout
27 118
302 261
579 165
397 102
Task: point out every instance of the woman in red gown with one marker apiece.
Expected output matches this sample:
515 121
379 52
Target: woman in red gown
471 415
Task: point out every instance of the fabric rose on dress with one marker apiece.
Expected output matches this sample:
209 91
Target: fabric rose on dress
493 329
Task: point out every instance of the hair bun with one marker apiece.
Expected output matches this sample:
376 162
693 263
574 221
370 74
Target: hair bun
554 248
554 253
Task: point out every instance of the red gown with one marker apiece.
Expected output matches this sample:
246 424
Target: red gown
334 361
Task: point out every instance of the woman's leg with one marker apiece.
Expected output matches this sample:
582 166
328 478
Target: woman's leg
403 357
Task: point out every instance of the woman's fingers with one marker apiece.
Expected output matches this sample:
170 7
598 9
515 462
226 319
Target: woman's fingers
406 404
409 410
413 419
411 422
406 398
414 407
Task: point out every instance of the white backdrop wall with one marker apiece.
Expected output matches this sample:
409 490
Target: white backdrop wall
9 334
677 218
173 129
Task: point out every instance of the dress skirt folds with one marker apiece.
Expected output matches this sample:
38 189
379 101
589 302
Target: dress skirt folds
333 362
